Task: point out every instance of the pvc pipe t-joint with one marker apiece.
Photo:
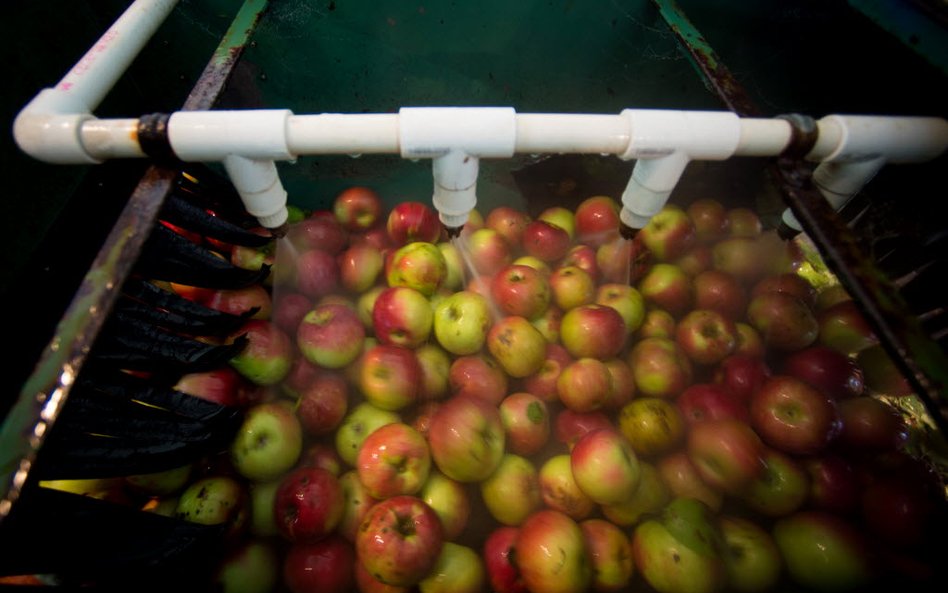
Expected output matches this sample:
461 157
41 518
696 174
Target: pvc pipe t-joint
258 184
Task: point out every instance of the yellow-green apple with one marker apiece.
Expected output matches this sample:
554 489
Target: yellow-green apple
703 402
324 565
323 403
417 265
526 420
320 230
365 305
834 484
499 553
749 341
623 383
358 501
357 208
519 347
626 300
605 467
552 554
394 459
571 426
366 583
252 566
621 260
585 385
780 489
317 273
709 217
458 570
521 290
787 283
549 323
610 552
535 263
571 287
413 221
480 376
509 222
364 419
658 323
583 257
751 556
843 327
359 267
466 437
486 251
793 417
870 425
454 266
597 220
743 222
593 331
268 355
512 492
161 483
254 258
215 500
268 442
543 382
652 425
881 374
562 217
402 316
559 490
667 287
461 322
695 261
450 500
651 496
399 540
721 292
435 366
309 504
545 240
742 375
222 385
823 552
784 322
681 477
390 376
660 366
829 370
253 301
739 256
727 453
331 336
669 234
262 519
706 336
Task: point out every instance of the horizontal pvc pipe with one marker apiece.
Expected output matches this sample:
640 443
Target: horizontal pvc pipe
430 132
203 136
333 133
896 139
106 139
763 137
571 133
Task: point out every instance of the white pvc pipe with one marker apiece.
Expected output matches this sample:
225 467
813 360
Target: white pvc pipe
763 137
539 133
258 183
204 136
332 133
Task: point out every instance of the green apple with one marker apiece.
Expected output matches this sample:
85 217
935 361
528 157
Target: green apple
670 566
512 492
161 483
362 421
262 495
365 305
650 496
268 442
781 487
562 217
461 322
559 489
454 278
693 523
610 552
459 569
751 557
358 501
625 299
449 500
252 567
215 500
517 345
823 552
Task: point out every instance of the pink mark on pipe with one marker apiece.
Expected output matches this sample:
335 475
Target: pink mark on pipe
91 56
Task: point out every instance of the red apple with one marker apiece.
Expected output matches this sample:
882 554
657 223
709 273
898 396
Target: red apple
830 371
727 454
542 383
390 376
570 426
268 355
871 426
568 570
597 221
366 583
749 342
742 375
658 323
843 327
499 555
626 300
610 551
793 417
357 208
660 367
667 287
399 540
479 376
669 234
376 236
785 322
710 219
703 402
331 336
623 383
413 221
317 273
222 386
526 421
605 467
721 292
696 260
509 222
309 504
521 290
622 260
402 316
325 565
562 217
487 252
320 231
743 222
593 331
289 311
679 474
706 336
323 403
435 365
253 300
545 240
323 455
787 283
359 267
583 257
585 385
466 438
834 486
394 459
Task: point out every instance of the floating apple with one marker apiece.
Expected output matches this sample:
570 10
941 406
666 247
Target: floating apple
512 492
568 569
308 505
399 541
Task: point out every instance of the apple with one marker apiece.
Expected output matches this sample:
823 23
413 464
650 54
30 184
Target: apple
597 220
486 251
534 262
499 553
357 208
781 487
622 260
518 346
787 283
742 375
751 557
843 327
409 222
793 417
605 467
901 511
830 295
543 382
739 256
466 438
652 425
562 217
509 222
450 500
331 336
667 287
359 267
253 300
549 324
623 383
417 265
743 222
658 323
320 231
324 565
583 257
357 502
215 500
749 341
394 459
695 261
317 273
512 492
320 454
571 426
454 266
571 287
585 385
399 540
479 376
727 454
660 367
626 300
709 217
289 309
669 234
881 373
390 376
161 483
365 305
458 570
222 385
362 421
435 366
682 479
706 336
823 551
268 355
545 240
704 402
521 290
722 292
870 425
610 552
834 485
552 554
267 443
650 497
461 322
323 404
593 331
526 421
785 322
559 490
308 505
366 583
402 316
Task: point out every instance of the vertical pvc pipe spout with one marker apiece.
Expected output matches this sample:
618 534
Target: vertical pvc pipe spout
259 186
455 188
